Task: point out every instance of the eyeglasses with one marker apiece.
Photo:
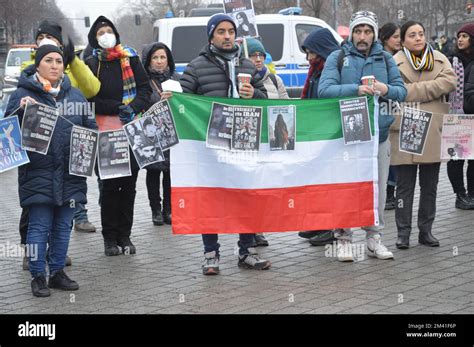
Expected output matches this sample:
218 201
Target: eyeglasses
257 55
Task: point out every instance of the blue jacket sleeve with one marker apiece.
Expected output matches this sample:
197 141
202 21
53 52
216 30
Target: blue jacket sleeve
396 86
330 83
14 103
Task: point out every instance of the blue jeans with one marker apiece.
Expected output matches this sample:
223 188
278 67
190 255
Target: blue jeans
211 244
80 214
48 223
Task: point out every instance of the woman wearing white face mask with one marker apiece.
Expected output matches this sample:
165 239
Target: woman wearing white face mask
124 93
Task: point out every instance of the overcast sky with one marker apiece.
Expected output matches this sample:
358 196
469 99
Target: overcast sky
91 8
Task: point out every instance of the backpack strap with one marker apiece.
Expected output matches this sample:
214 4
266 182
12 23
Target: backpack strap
274 80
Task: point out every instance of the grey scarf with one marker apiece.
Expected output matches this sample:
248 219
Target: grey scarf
228 57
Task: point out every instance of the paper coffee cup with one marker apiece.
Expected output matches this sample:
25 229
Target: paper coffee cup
368 80
243 78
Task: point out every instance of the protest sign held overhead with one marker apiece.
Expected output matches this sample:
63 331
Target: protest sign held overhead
37 127
164 123
355 120
113 155
281 127
246 128
11 154
143 139
457 137
414 128
242 11
83 151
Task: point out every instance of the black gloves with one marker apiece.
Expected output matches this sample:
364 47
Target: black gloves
126 113
68 50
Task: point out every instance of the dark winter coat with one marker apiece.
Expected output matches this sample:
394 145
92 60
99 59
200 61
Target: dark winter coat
323 43
205 75
109 98
155 78
468 64
155 82
46 179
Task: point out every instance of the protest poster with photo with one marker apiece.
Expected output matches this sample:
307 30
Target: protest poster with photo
414 128
142 137
11 154
246 128
281 127
37 127
242 11
83 151
457 137
355 120
113 155
164 122
219 130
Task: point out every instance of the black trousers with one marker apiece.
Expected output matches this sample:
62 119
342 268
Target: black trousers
456 176
117 204
153 188
406 181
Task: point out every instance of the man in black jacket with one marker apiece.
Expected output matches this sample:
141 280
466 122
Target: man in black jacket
214 73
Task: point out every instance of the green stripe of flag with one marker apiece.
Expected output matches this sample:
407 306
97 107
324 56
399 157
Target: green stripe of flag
316 119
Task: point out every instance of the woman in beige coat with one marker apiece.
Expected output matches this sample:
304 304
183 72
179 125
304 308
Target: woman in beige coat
428 77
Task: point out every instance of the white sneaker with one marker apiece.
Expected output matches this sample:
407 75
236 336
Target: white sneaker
344 250
376 249
211 264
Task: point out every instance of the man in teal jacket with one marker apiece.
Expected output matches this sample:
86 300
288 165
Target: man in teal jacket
363 56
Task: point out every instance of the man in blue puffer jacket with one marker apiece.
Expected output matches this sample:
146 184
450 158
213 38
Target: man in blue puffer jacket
363 56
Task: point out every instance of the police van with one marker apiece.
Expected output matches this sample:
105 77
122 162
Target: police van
282 36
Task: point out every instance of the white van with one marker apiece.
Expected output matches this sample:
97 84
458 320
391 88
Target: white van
282 36
16 56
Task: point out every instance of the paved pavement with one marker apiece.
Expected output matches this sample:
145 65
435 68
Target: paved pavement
165 275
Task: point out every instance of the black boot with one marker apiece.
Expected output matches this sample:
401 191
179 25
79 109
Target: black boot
39 287
157 217
127 246
308 234
427 239
463 202
390 201
60 280
167 217
111 248
403 240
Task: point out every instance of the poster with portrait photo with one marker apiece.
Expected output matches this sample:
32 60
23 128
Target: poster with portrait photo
281 127
457 137
242 11
37 127
219 130
11 154
113 155
246 128
165 126
355 120
83 150
414 128
142 137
